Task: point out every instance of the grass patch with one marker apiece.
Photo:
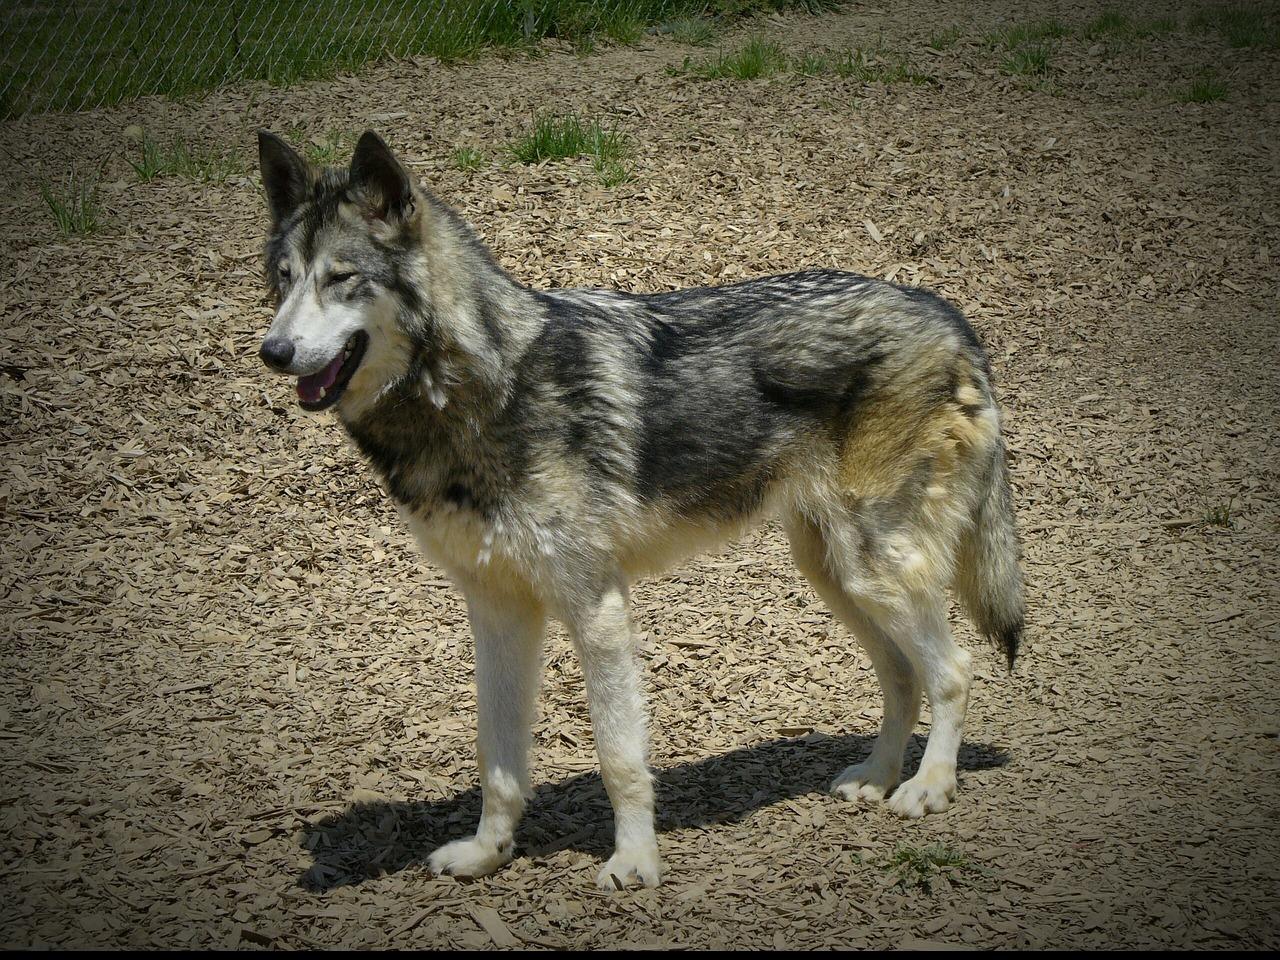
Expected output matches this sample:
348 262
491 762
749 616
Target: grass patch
1114 25
944 39
1239 25
467 158
74 205
1028 46
1019 35
566 136
334 149
918 867
561 136
693 31
811 64
1220 514
177 159
1110 23
1203 90
808 6
152 162
584 22
611 172
761 59
1027 61
756 58
867 68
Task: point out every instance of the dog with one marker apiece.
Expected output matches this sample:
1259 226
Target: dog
547 447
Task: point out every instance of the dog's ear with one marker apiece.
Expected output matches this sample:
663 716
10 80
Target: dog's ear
285 175
381 181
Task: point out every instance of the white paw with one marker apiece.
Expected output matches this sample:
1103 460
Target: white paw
924 793
864 781
469 858
628 866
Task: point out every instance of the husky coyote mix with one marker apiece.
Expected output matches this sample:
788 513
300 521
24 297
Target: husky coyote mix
547 447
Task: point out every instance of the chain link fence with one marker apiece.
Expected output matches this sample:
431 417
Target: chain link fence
80 54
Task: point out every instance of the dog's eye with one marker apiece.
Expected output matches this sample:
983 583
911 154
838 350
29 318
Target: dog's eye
337 278
283 271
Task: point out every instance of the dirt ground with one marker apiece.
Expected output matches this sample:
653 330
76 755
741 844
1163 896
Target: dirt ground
237 709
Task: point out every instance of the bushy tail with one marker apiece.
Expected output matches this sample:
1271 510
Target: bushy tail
989 575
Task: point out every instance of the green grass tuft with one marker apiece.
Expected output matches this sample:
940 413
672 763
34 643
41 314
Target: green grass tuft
808 6
152 162
468 158
1157 26
1239 25
556 137
693 31
876 67
1027 61
334 149
177 159
811 64
757 58
1220 514
1114 25
920 866
944 39
760 59
611 172
1203 90
74 205
1110 23
565 136
585 22
1028 33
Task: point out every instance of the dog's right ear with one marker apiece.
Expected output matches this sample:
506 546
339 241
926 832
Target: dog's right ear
285 175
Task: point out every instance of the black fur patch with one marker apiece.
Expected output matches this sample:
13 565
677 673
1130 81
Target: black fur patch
1010 640
591 424
710 454
832 394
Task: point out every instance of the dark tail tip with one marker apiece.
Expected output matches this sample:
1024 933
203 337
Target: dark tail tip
1010 640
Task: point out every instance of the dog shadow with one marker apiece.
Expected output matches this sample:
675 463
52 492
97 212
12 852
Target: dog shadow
369 840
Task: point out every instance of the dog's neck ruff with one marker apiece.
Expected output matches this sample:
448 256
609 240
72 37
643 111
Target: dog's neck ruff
428 430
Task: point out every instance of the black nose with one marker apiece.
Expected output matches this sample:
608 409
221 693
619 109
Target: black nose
277 352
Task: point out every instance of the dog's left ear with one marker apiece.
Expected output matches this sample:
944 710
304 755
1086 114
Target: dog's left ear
384 185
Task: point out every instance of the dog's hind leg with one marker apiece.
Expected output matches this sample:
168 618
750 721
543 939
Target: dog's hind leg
880 772
601 631
919 628
895 577
508 638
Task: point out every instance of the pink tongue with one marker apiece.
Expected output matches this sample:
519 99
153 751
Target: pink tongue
310 387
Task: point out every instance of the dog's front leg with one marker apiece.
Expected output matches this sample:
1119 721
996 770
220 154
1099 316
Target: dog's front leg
602 633
508 635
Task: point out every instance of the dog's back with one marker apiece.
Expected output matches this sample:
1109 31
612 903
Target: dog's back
810 393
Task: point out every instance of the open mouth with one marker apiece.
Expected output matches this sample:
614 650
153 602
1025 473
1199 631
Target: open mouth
319 391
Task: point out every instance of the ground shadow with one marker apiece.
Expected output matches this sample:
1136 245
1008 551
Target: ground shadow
371 839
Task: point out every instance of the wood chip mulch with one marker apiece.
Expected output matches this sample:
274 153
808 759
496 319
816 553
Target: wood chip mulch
237 708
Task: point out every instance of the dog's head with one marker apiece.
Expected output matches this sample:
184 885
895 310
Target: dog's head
339 259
